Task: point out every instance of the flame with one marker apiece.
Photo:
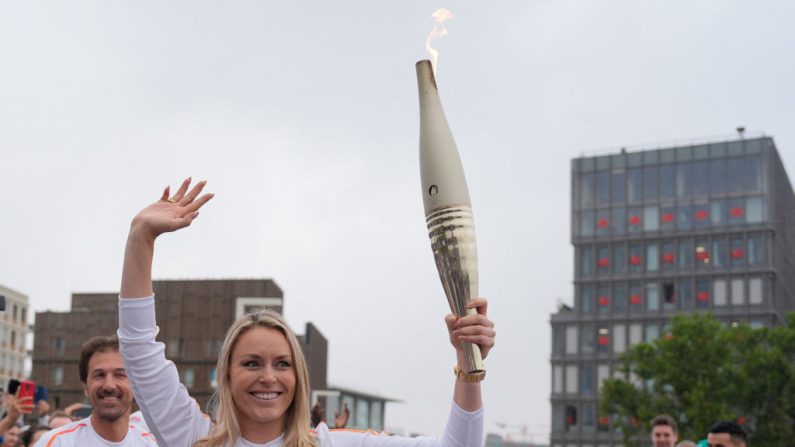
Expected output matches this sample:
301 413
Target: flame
440 15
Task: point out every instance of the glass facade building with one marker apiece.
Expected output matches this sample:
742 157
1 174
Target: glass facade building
700 228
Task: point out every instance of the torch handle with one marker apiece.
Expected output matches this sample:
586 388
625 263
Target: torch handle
473 360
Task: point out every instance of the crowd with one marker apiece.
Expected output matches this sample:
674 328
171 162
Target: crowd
665 433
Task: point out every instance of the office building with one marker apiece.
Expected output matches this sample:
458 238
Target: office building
694 228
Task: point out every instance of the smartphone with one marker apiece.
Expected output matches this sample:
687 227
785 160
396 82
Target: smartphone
40 394
26 389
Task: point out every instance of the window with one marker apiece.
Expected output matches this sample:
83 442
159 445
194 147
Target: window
634 186
603 260
685 254
603 223
603 299
652 297
700 178
571 379
717 168
738 291
586 223
362 413
586 379
668 256
571 417
634 220
737 253
214 347
618 187
620 298
684 180
651 218
602 188
718 212
588 262
571 340
702 293
587 338
635 258
755 212
213 378
174 347
734 176
586 299
667 218
60 346
588 417
702 254
619 338
650 193
652 258
755 291
684 217
602 374
57 376
635 298
685 294
736 212
586 191
635 334
558 341
719 292
557 379
652 332
756 249
188 377
558 418
720 252
375 416
753 175
603 339
669 296
618 221
619 258
700 218
667 182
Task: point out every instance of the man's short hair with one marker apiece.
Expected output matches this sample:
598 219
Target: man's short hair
100 343
664 419
734 430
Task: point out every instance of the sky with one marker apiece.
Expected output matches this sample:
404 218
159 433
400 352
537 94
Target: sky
303 118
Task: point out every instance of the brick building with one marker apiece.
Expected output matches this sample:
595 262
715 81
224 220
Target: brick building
13 333
193 316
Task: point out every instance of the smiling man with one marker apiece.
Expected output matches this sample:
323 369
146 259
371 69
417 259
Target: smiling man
664 432
106 386
727 434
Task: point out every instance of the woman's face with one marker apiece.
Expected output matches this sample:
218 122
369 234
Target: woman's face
262 380
11 436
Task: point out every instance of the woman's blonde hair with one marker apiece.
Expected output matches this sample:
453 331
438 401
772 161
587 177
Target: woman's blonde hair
297 420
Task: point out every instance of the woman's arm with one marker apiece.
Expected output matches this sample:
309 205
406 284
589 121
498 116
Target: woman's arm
163 216
173 417
476 329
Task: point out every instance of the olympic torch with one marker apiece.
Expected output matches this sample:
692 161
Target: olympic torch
448 210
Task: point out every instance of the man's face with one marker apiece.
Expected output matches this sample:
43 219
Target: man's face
11 436
722 440
107 387
663 436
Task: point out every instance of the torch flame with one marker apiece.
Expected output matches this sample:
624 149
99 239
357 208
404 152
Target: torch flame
440 15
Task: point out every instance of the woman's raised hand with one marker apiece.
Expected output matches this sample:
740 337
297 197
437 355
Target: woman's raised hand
477 328
171 213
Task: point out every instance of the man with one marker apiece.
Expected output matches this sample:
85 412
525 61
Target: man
663 431
106 387
727 434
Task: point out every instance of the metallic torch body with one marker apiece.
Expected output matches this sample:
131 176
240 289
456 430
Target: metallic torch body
448 210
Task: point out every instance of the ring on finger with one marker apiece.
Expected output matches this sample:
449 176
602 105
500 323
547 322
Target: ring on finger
171 200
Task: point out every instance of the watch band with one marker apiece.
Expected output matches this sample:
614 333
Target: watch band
473 377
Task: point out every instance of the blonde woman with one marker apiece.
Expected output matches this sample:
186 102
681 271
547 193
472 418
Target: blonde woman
263 385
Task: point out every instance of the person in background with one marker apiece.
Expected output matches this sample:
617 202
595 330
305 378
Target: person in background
727 434
9 425
105 384
59 418
33 434
664 431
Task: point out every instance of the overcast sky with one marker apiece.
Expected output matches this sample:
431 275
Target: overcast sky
303 117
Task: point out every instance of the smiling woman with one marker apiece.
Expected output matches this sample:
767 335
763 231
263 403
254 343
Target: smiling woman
263 384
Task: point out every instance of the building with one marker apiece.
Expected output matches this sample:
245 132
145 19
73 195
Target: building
707 227
193 316
13 334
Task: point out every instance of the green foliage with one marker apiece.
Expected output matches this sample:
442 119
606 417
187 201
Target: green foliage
701 372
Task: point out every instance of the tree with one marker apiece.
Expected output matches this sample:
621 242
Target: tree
701 372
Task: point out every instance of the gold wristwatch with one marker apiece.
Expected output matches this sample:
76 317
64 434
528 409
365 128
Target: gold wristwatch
473 377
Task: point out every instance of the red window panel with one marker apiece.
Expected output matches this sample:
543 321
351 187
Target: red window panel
635 299
667 217
668 258
569 420
702 255
635 260
738 253
736 212
602 223
702 296
702 214
634 220
603 301
603 340
605 420
603 262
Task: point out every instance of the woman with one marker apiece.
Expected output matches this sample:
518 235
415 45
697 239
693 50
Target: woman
263 385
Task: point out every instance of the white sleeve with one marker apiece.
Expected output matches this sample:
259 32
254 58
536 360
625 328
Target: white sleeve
170 413
464 429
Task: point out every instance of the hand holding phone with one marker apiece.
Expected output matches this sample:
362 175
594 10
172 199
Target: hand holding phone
25 396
